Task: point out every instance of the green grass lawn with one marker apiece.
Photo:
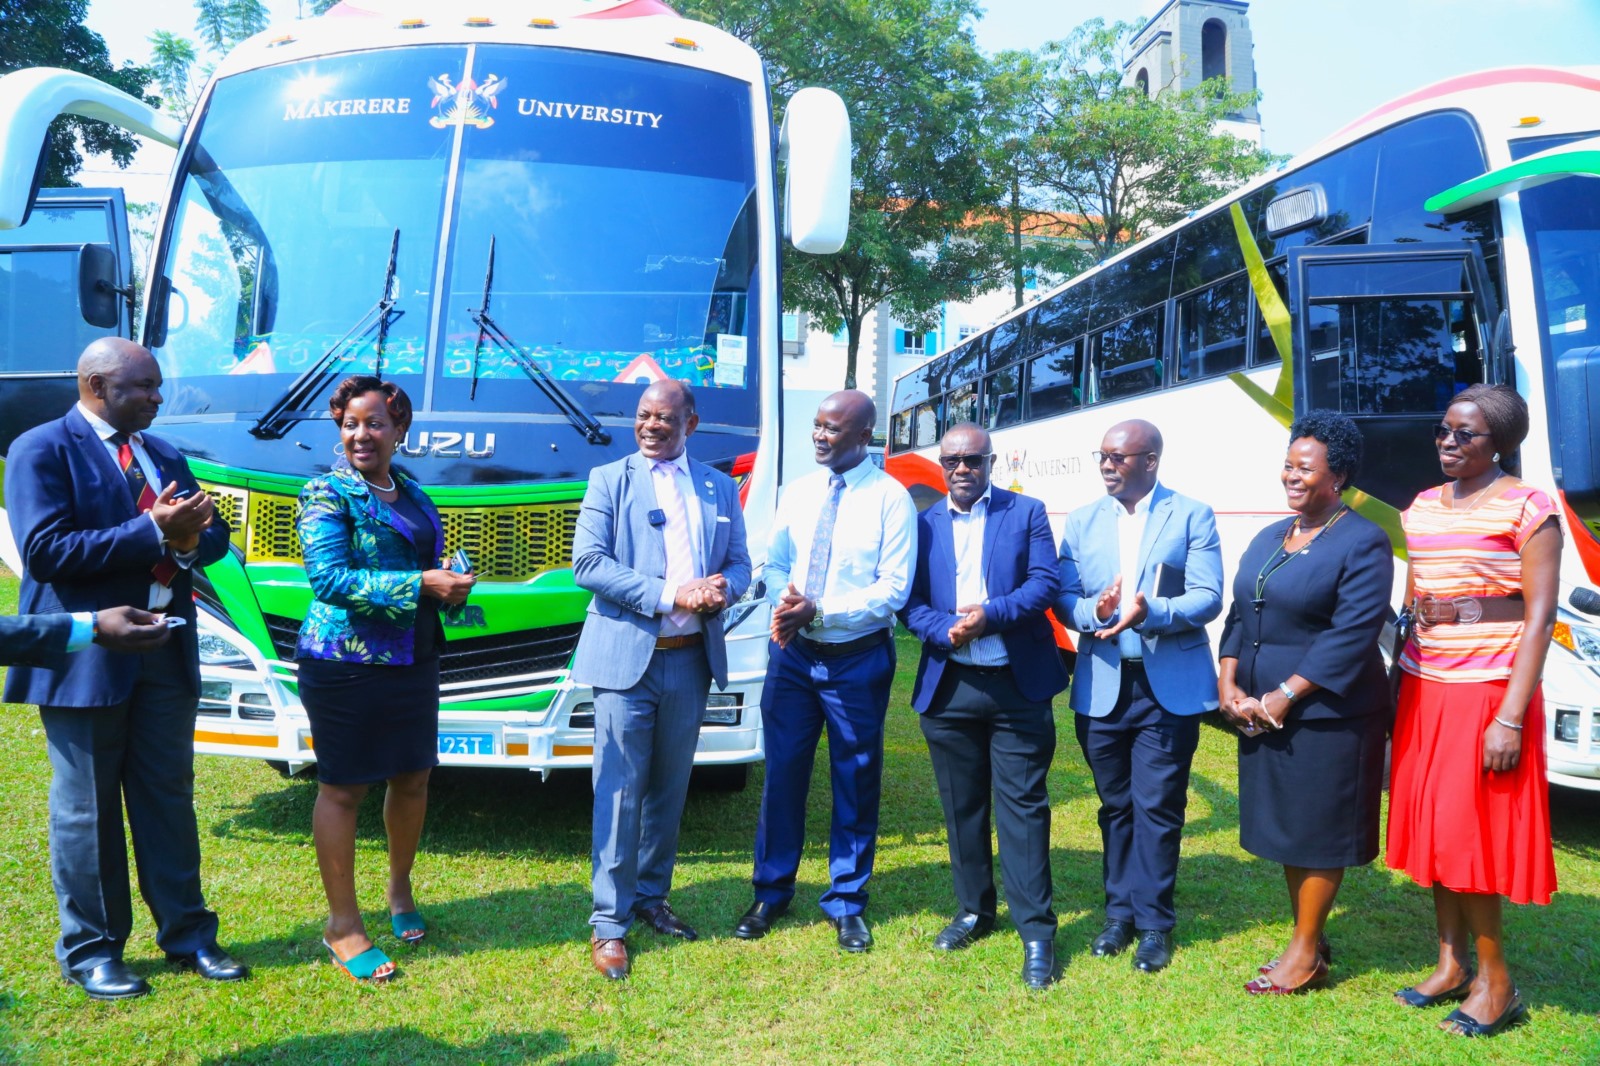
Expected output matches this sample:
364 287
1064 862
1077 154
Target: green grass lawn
505 975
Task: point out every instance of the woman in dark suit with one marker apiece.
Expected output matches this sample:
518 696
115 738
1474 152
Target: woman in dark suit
368 658
1302 680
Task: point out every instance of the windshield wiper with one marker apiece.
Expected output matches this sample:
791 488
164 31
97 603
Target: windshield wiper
488 329
290 406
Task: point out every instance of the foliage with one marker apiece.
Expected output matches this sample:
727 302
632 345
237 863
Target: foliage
1115 164
222 24
51 33
172 58
910 75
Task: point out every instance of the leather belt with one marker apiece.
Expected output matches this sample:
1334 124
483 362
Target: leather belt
848 647
1464 610
1133 664
987 670
686 640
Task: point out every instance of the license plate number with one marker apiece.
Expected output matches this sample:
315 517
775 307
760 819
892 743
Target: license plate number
466 743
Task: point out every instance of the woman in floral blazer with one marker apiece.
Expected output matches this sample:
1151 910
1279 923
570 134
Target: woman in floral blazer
368 658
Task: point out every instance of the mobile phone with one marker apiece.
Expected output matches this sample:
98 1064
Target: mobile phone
172 621
460 563
181 494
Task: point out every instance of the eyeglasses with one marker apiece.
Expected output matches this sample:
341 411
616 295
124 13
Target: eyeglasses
973 462
1117 458
1464 437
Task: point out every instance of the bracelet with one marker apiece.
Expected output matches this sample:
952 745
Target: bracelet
1507 724
1288 693
94 625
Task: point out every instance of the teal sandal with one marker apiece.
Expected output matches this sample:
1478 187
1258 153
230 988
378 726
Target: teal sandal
363 967
408 927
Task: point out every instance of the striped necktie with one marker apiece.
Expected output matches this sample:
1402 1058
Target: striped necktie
822 540
144 498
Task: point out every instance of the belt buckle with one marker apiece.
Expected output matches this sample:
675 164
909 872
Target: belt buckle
1432 611
1468 609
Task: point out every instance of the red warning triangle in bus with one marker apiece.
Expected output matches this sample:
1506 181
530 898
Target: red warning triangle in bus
259 361
643 368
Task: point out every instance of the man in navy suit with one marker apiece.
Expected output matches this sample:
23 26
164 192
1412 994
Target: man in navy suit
29 638
986 573
1141 575
106 515
660 543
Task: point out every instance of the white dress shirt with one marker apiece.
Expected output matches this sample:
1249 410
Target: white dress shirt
870 563
1130 537
691 506
972 584
160 595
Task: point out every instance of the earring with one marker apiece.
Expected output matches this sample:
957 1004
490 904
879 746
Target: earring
1496 458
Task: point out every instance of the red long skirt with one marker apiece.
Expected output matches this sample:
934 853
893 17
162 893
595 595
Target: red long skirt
1451 822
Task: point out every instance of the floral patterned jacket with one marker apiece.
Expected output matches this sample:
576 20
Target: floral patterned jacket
362 569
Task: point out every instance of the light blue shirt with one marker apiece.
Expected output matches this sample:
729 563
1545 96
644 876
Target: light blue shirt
873 554
82 631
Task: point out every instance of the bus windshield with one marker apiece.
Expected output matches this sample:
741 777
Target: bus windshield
618 194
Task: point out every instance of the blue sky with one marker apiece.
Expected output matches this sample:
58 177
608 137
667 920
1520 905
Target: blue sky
1319 63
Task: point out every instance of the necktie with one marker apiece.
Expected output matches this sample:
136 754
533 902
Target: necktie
680 550
144 498
822 540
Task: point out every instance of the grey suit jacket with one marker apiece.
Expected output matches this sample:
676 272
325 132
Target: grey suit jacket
29 638
618 555
1180 541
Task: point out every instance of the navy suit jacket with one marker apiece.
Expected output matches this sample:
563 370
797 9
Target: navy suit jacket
85 547
29 638
1019 565
618 555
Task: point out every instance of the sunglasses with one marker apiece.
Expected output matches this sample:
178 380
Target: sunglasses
972 462
1117 458
1464 437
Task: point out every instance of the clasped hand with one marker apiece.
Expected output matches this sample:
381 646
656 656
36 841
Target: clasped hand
1249 715
793 613
182 521
703 595
970 624
1108 603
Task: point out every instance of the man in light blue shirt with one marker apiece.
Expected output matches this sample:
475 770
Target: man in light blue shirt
838 568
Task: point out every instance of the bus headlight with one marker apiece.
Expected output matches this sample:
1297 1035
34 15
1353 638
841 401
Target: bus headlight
1582 641
1569 722
722 708
218 650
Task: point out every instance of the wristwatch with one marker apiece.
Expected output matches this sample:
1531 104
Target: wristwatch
816 622
1288 693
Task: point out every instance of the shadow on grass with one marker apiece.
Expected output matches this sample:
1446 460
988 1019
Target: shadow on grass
403 1045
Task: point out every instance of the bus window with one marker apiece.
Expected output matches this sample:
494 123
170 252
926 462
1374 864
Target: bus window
1002 398
1398 356
1129 362
1008 342
1211 330
900 431
961 405
1053 381
925 425
1061 317
1265 350
1416 160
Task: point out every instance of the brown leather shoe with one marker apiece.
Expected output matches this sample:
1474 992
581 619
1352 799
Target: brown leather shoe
610 957
662 920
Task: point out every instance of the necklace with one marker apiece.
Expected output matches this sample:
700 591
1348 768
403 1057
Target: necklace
1476 496
1280 558
390 487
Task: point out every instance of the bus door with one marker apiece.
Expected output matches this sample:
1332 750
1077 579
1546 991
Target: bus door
1387 334
65 275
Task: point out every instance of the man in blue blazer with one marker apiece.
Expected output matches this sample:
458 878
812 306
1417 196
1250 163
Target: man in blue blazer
660 542
106 515
985 575
1141 575
30 638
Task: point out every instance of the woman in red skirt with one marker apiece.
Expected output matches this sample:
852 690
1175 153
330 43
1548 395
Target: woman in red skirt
1468 804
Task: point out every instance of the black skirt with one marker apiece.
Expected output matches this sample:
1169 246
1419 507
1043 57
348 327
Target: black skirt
369 723
1310 794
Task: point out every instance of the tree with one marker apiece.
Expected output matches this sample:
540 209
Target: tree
51 33
222 24
921 219
1115 163
172 58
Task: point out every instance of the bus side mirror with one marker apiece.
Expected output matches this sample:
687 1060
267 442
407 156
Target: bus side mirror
815 143
98 293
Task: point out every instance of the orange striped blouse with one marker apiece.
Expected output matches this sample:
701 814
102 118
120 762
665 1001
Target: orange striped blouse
1476 552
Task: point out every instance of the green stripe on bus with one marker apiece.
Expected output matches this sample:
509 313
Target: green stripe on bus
1526 174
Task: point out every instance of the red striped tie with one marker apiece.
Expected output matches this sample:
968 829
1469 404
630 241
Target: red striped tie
144 498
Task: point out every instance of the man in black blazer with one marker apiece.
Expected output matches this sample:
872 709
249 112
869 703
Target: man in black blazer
986 573
29 638
106 515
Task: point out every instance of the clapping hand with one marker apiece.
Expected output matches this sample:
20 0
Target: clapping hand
970 624
182 521
703 595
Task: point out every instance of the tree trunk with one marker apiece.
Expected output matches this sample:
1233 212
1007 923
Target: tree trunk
1017 279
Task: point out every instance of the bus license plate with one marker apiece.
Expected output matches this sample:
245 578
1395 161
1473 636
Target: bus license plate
466 743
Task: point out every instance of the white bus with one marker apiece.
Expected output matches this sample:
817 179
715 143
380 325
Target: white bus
1449 237
522 212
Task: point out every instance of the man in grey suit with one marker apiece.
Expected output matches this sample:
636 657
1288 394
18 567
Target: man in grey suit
1141 575
29 638
660 542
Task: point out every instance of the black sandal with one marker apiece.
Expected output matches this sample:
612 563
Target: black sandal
1466 1025
1412 998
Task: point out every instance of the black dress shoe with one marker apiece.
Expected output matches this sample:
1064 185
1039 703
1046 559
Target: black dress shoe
854 936
109 980
1115 936
963 931
755 922
212 963
1039 963
662 920
1155 951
